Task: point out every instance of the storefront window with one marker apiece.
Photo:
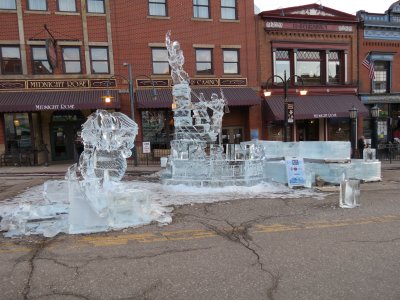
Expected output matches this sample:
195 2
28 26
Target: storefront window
17 131
339 129
157 128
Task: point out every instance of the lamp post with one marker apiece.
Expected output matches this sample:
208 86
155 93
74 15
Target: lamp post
131 91
374 135
353 113
288 107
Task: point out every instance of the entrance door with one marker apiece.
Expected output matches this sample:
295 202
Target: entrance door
232 135
63 135
307 130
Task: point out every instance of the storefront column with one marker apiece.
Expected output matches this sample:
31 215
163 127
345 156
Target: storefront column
345 66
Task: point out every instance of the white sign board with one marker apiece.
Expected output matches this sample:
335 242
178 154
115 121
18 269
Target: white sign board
146 147
295 171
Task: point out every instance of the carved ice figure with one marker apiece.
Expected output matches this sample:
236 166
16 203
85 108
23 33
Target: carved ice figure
108 139
176 60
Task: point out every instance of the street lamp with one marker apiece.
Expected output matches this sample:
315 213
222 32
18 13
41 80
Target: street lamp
108 98
353 114
374 135
287 106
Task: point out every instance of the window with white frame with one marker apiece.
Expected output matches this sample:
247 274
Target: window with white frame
96 6
204 63
158 8
67 5
309 66
99 60
201 9
160 61
10 59
380 85
231 61
39 61
7 4
334 67
228 10
282 64
71 60
37 4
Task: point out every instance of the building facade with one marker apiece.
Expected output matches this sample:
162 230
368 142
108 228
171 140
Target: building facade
59 58
312 48
379 40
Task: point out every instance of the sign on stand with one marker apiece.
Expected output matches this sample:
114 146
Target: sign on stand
295 171
146 147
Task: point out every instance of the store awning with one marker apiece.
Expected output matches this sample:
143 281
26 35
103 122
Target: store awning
315 107
234 96
56 100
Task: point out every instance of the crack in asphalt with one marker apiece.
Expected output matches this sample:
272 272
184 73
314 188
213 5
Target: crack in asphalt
376 241
240 235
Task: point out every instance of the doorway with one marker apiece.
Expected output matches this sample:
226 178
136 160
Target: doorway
307 130
232 135
64 128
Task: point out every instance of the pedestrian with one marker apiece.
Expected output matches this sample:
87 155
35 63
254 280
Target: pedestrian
361 146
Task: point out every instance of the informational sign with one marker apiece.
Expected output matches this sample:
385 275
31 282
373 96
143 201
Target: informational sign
146 147
290 112
295 171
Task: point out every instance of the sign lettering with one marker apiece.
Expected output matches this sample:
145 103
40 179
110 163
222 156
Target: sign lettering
54 106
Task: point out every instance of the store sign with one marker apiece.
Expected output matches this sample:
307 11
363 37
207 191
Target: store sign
308 26
330 115
205 81
54 106
72 84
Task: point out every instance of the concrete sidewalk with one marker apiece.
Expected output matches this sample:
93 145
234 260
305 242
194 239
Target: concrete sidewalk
62 168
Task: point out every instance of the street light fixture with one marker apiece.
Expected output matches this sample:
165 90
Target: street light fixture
285 81
374 135
108 98
353 114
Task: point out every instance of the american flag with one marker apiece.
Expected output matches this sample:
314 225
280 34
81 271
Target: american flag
370 66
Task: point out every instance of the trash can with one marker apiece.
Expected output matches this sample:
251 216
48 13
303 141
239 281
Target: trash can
163 161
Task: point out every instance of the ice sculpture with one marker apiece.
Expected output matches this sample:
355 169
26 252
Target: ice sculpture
92 198
195 157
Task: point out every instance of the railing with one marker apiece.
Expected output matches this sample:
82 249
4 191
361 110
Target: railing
388 152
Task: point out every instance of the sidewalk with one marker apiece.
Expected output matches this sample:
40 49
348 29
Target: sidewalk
62 169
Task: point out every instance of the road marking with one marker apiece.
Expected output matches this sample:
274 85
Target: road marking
190 234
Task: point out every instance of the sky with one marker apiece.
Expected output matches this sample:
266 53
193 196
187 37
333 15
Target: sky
348 6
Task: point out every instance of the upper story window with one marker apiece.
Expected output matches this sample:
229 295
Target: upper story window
282 64
309 67
160 61
228 9
334 67
39 60
313 66
7 4
67 5
99 60
201 9
231 61
37 4
381 83
71 60
10 58
96 6
204 63
158 8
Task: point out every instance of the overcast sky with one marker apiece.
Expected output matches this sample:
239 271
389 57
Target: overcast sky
348 6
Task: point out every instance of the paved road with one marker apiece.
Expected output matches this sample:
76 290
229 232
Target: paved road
247 249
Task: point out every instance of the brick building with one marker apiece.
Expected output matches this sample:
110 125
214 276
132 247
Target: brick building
314 48
379 42
58 58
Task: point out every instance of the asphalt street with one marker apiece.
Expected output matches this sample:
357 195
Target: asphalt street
303 248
